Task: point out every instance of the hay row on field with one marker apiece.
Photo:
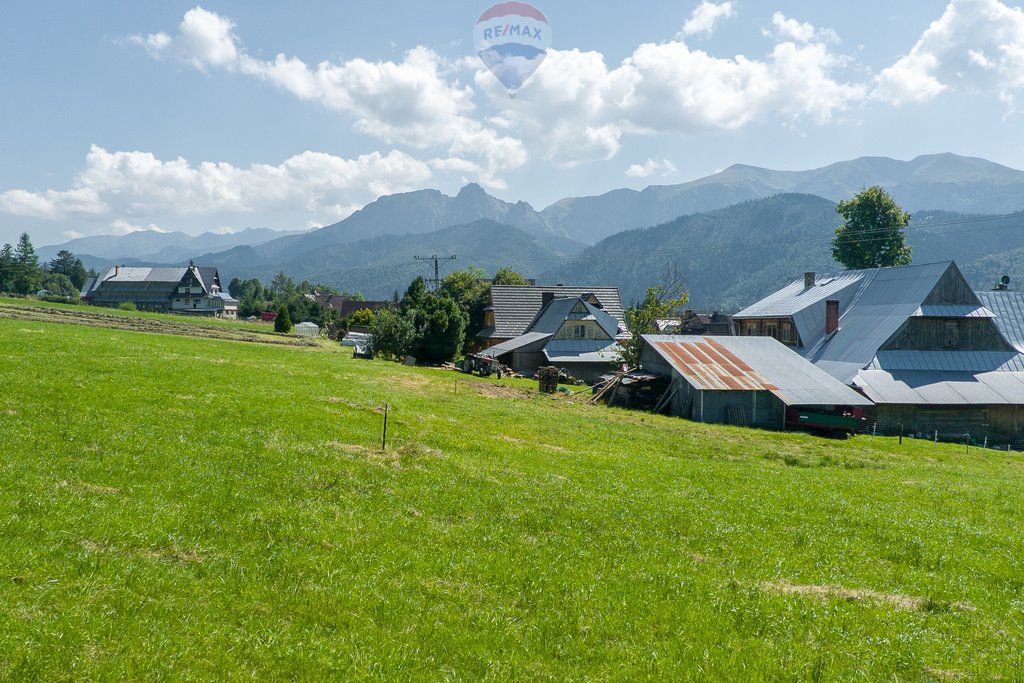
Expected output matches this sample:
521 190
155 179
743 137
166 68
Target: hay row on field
138 324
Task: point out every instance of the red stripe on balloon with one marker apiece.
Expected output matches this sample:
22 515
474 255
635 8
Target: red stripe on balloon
517 8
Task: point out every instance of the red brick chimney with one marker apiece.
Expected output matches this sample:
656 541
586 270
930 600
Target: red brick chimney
831 316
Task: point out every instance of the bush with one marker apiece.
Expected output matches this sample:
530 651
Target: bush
393 334
283 321
127 306
362 317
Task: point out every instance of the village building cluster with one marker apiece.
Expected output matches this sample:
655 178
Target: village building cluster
909 350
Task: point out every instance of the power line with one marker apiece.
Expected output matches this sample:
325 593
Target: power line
436 280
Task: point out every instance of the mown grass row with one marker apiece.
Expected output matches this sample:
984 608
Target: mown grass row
179 507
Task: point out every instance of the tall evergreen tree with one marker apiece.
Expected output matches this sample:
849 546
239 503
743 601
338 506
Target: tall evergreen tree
27 276
66 263
7 268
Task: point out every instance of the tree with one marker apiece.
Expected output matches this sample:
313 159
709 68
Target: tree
27 275
70 265
392 333
414 297
873 235
443 330
283 321
282 286
468 288
7 268
59 287
642 318
363 318
506 276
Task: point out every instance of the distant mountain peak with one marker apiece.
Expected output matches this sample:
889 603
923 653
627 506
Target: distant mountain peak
471 190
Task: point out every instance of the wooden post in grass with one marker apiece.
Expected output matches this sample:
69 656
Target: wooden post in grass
384 436
901 432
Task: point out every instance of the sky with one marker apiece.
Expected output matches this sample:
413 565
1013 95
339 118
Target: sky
119 116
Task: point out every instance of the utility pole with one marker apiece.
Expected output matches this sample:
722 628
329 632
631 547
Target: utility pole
436 280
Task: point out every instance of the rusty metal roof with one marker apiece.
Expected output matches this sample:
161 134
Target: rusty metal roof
709 365
752 364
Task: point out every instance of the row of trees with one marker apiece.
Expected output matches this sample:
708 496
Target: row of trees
21 273
254 298
434 327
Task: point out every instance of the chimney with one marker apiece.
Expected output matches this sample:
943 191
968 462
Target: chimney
116 270
809 279
831 316
546 298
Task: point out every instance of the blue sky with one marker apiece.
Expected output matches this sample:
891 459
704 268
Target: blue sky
121 116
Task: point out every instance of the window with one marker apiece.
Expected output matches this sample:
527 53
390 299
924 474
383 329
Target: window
786 333
952 336
579 332
770 331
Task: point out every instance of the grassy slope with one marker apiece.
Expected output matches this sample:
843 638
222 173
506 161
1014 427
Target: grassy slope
179 507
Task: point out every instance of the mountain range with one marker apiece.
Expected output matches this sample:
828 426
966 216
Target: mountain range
736 234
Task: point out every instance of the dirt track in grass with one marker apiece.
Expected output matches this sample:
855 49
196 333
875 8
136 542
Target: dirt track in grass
185 327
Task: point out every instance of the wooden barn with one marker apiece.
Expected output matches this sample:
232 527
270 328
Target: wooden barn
934 356
749 381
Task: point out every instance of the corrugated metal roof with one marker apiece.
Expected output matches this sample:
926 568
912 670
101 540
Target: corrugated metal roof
873 304
952 311
581 351
515 307
516 343
794 297
929 387
962 361
752 364
1009 309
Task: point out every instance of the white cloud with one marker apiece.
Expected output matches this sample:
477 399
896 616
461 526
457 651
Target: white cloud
800 32
705 16
650 167
413 102
577 109
72 234
204 38
126 184
975 46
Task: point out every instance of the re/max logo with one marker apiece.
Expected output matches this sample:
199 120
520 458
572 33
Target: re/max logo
522 30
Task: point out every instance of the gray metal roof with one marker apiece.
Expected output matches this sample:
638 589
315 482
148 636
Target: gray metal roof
873 304
143 274
953 311
515 307
752 363
560 310
1009 309
515 343
930 387
961 361
582 351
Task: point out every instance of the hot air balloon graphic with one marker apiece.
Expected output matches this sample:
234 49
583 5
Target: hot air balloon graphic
512 39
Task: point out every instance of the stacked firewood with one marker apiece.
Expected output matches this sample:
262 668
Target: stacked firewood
547 380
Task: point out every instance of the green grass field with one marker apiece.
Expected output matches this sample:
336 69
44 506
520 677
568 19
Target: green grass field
179 507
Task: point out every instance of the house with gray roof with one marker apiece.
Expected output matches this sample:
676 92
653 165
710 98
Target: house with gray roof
933 355
511 309
573 333
192 290
748 381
